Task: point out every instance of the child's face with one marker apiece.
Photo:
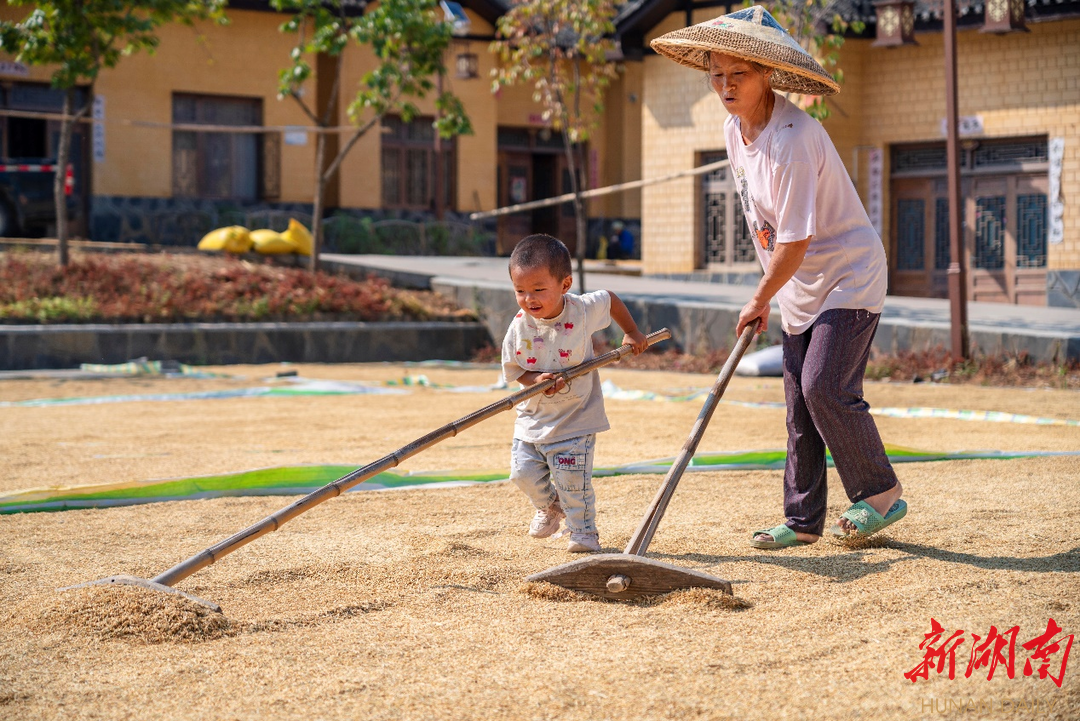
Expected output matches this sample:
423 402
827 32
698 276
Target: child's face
538 292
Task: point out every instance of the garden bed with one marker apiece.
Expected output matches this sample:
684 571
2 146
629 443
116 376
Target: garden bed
188 287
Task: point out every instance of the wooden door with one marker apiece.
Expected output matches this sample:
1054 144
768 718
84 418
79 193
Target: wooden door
1029 225
515 186
912 255
1006 222
988 278
1004 238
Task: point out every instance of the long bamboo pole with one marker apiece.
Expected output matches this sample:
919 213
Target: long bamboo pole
639 542
191 127
597 192
336 488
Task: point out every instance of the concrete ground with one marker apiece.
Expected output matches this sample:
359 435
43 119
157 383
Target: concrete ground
705 311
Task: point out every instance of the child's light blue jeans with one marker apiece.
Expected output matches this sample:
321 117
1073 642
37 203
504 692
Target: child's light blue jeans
562 470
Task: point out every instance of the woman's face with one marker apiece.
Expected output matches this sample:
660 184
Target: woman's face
739 84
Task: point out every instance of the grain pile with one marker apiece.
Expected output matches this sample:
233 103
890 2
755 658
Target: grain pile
121 612
412 604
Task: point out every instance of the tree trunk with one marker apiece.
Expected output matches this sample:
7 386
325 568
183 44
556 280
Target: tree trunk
317 210
579 210
59 195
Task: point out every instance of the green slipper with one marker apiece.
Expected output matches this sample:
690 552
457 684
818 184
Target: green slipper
867 520
783 537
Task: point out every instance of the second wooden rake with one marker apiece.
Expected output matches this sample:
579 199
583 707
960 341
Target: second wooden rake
629 575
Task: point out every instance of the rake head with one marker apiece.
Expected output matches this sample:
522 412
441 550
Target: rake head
125 580
626 577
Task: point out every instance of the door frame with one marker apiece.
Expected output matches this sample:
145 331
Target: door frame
542 152
1000 169
725 245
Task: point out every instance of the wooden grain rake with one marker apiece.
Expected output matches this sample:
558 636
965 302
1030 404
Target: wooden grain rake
165 581
629 575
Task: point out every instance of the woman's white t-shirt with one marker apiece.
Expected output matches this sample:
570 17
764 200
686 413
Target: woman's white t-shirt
794 186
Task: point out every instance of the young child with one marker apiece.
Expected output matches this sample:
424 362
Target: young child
552 456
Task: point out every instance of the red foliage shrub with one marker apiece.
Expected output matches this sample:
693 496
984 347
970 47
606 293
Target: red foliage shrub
183 288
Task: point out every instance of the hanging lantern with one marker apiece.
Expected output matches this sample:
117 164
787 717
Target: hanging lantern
895 23
1004 16
467 65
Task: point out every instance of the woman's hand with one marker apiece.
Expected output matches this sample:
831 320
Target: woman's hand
750 311
785 260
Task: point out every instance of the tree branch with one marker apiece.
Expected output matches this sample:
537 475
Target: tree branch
303 106
348 146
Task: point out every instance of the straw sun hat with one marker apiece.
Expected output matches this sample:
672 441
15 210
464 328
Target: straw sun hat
751 34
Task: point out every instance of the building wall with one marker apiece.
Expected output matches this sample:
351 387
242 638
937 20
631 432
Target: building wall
620 140
240 59
243 59
680 119
206 59
476 153
1023 84
614 144
361 171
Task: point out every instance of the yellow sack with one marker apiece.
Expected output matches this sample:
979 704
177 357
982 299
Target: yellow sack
300 236
230 239
271 242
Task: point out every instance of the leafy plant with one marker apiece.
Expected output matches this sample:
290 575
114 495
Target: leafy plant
50 310
408 39
562 48
820 30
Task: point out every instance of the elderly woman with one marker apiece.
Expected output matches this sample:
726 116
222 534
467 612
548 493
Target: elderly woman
824 265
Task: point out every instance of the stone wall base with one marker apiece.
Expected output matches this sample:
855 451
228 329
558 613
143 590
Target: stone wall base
698 327
24 347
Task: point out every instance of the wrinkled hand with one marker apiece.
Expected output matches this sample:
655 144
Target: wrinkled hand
559 384
751 311
636 341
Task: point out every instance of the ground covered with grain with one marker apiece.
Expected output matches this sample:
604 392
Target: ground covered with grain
413 604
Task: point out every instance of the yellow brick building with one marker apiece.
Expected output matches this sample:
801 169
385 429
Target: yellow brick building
145 180
1019 107
1019 103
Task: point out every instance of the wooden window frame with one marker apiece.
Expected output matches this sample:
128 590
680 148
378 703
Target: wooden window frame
397 147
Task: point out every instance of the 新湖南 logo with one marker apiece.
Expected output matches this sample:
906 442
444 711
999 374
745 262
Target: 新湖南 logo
1047 653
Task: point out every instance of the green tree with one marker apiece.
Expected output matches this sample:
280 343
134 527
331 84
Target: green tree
79 38
820 30
408 38
562 48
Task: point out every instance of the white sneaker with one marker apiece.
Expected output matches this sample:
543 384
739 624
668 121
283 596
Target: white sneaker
546 522
583 543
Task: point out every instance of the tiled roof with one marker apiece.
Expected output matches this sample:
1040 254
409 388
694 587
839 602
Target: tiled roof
628 8
931 11
636 17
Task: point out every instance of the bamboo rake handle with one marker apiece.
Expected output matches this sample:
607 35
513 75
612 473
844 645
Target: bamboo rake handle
597 192
336 488
639 542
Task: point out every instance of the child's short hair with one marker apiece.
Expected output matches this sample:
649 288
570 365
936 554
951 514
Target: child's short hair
542 251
